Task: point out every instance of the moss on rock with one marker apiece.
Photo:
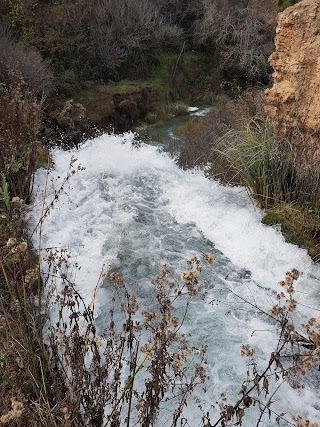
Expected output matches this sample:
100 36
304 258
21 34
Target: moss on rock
298 226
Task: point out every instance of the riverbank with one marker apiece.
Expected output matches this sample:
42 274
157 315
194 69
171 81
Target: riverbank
238 145
118 106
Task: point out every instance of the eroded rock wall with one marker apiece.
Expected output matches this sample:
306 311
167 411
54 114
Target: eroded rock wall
294 100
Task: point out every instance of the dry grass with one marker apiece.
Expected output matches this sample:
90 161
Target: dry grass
204 137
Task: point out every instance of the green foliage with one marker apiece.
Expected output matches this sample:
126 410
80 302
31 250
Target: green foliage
186 76
16 12
283 4
273 218
2 359
5 193
16 166
166 111
127 86
299 225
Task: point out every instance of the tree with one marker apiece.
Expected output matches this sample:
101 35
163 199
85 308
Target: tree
241 33
22 60
128 32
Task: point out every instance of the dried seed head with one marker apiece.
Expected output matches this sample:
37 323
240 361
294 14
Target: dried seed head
22 247
208 258
15 413
12 241
17 200
30 277
292 305
246 350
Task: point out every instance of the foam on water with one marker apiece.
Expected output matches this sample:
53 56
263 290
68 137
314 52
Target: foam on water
134 208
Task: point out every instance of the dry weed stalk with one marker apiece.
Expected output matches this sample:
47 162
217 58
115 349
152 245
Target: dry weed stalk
296 353
101 371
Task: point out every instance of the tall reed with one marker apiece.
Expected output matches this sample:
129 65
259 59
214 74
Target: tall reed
273 169
265 167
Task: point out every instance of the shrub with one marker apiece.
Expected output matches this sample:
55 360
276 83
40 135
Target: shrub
24 61
241 37
20 118
204 137
135 31
98 373
283 4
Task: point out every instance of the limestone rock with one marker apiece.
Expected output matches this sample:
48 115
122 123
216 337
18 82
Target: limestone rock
294 99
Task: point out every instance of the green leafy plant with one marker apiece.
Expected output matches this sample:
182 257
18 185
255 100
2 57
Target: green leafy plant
5 193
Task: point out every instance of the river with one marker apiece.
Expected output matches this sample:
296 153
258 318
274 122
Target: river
132 208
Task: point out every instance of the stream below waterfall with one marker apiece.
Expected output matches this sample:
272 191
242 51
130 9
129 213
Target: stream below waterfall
132 208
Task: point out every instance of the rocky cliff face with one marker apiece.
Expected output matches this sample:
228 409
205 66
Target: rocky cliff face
294 100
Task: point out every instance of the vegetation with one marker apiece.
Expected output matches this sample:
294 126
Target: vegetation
72 36
241 36
278 176
283 4
70 374
275 172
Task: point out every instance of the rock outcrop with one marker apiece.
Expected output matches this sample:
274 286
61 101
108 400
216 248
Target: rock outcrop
294 100
110 110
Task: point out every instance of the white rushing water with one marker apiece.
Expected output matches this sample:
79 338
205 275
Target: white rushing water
133 208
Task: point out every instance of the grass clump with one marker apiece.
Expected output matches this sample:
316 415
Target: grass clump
264 166
271 167
280 179
166 111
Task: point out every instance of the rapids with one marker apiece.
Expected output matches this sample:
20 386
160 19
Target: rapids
133 208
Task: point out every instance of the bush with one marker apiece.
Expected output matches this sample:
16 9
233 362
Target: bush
283 4
204 137
241 37
100 372
20 120
135 31
16 59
